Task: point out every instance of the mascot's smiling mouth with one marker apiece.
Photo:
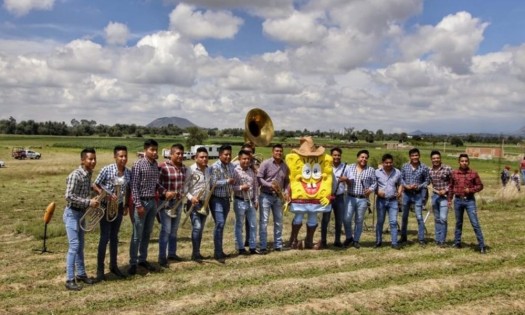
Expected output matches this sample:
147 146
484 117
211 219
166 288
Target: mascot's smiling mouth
311 188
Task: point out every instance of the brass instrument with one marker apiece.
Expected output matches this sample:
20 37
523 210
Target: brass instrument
281 196
112 206
258 127
172 211
206 203
247 195
93 215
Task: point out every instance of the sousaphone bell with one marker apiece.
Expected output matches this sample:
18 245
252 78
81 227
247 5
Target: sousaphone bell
258 127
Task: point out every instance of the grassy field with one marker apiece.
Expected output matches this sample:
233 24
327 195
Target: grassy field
414 280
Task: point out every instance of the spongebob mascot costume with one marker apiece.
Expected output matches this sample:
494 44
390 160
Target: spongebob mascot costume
311 188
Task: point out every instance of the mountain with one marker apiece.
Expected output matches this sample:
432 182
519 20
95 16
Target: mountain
175 121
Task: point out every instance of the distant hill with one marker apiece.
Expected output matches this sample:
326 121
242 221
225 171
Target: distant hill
175 121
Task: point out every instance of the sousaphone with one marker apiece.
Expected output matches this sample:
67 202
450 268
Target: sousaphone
258 128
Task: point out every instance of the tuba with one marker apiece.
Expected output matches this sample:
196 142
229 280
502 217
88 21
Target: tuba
258 127
93 215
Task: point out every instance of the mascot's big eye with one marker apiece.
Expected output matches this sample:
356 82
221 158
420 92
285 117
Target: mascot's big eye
316 171
307 172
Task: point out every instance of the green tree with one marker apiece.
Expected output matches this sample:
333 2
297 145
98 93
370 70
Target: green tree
456 141
196 136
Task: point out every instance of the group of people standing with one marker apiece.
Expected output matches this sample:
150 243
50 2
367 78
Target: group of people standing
164 190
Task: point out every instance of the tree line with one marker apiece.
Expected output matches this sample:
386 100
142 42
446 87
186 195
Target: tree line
85 127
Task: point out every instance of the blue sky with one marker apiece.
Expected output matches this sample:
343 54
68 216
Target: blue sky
333 64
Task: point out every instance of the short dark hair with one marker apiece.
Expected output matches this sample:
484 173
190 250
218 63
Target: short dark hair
201 149
225 147
248 145
387 156
414 150
363 151
150 143
338 149
434 152
177 146
86 151
277 145
119 148
463 155
244 152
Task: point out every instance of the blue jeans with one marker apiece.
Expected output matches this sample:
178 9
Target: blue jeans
440 207
339 208
220 207
415 198
197 222
383 205
168 233
75 237
356 207
312 219
469 204
142 228
109 233
242 211
270 203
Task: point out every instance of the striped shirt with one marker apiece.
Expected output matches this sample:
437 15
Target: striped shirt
220 173
462 179
360 181
144 180
171 178
108 177
388 183
339 187
270 171
418 176
202 184
440 177
78 189
242 177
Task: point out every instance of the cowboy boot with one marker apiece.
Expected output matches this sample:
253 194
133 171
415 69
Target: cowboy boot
309 241
294 243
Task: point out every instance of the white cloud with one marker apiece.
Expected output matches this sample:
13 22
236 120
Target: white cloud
297 28
116 33
265 9
197 24
22 7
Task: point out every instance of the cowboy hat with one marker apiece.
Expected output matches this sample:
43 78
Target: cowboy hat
307 147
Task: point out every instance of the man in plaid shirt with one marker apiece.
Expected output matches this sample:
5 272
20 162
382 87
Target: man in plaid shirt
440 178
464 183
415 179
171 187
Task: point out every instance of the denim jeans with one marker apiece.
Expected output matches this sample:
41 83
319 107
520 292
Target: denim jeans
339 207
312 219
356 207
460 205
440 207
142 228
270 203
415 198
243 210
75 237
197 222
168 233
109 233
383 206
220 207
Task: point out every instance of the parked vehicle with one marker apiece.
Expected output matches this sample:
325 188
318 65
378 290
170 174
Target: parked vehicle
33 154
2 163
213 150
18 153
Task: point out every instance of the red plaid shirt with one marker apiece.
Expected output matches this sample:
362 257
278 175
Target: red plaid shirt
172 178
462 179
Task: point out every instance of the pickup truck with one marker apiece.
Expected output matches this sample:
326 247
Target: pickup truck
30 154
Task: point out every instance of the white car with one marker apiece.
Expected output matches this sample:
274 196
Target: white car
33 154
2 163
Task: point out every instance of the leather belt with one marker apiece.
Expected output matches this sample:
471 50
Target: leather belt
388 199
468 197
357 196
76 209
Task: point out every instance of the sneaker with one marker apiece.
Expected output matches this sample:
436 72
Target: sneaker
147 265
348 242
357 245
85 279
73 286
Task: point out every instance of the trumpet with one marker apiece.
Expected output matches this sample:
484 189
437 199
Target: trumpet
247 195
93 215
172 211
112 207
281 196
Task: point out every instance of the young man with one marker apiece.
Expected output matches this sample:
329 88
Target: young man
114 178
440 178
339 204
415 178
221 179
362 183
273 175
196 196
172 179
144 184
245 201
78 188
464 183
389 189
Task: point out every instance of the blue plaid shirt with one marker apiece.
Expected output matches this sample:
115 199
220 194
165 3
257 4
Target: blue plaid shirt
419 175
78 188
220 173
362 181
107 177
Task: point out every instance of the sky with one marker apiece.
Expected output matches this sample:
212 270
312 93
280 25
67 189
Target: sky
441 66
